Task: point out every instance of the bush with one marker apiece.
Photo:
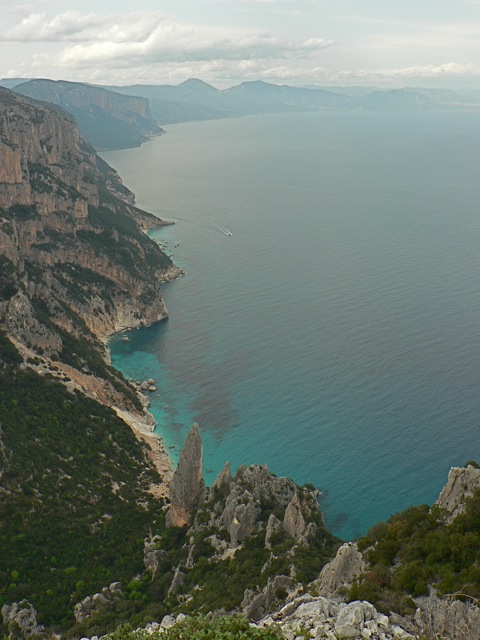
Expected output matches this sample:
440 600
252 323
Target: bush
202 628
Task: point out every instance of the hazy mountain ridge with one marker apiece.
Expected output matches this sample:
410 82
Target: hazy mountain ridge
197 100
106 119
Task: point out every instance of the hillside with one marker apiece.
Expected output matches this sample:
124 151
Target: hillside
106 120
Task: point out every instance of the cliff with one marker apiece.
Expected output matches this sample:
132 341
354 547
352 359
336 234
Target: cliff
106 119
76 264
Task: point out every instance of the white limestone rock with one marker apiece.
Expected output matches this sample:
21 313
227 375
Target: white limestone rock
461 483
338 575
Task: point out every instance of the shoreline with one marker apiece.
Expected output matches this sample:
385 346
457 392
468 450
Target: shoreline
143 426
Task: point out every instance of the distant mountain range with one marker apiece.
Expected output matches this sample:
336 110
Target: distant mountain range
124 116
197 100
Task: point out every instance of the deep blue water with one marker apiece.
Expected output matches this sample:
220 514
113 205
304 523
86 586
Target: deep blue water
335 335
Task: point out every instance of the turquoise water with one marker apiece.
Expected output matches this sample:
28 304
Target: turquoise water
335 335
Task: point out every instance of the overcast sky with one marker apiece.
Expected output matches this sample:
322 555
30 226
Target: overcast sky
297 42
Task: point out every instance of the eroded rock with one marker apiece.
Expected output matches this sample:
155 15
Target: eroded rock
337 576
461 483
187 483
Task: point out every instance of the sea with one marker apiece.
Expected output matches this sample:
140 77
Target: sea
328 323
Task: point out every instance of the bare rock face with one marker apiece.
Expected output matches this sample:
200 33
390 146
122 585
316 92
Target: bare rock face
224 478
75 263
256 605
94 103
461 483
91 605
293 520
187 484
338 575
319 617
152 555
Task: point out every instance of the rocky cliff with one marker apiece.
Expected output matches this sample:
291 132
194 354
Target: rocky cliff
77 486
263 529
76 265
106 119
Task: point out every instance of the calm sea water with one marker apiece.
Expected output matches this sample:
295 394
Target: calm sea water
335 335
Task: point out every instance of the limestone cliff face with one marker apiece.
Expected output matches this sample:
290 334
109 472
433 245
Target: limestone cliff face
75 264
187 484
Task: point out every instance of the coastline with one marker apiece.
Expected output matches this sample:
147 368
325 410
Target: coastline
143 426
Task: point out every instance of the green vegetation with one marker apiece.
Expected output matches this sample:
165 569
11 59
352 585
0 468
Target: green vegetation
75 507
418 548
8 279
202 628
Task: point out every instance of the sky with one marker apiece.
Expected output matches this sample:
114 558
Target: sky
225 42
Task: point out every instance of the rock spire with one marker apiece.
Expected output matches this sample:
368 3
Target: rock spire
187 483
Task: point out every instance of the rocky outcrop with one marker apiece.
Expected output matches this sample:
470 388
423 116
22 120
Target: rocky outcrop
224 478
274 525
21 620
461 483
152 555
337 576
257 604
318 617
293 520
187 484
92 605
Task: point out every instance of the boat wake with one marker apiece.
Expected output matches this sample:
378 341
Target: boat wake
202 222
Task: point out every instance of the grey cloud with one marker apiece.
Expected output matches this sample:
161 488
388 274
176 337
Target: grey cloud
72 26
446 70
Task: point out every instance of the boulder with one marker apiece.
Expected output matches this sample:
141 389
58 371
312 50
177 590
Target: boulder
352 618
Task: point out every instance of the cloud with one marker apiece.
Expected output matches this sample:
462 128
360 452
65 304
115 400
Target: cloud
148 37
73 26
446 70
144 38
